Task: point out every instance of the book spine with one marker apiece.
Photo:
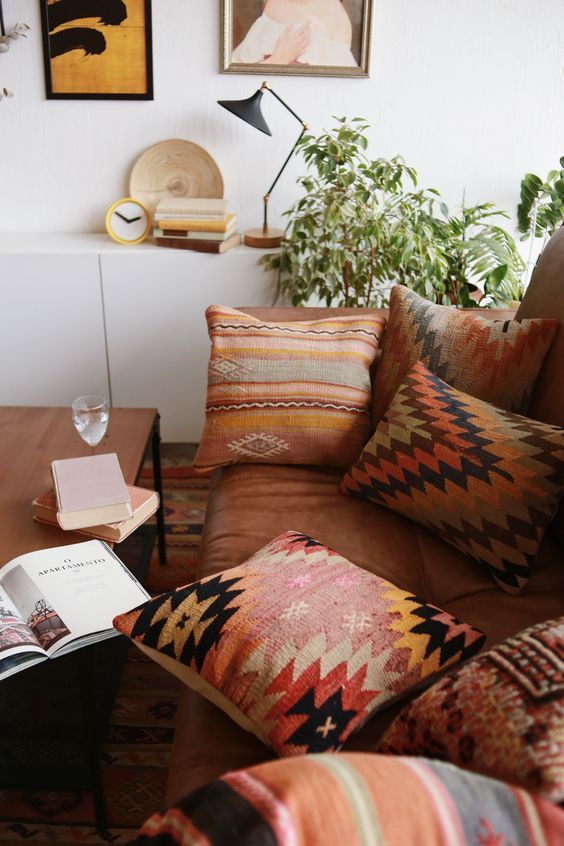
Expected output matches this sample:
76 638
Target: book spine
184 205
189 216
200 246
185 244
198 225
191 236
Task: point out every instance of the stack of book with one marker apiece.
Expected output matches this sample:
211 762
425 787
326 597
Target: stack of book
89 495
190 223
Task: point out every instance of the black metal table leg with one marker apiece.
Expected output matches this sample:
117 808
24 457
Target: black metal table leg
158 482
92 736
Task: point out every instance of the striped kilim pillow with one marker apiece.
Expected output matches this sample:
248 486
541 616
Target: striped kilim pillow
287 393
501 714
356 800
493 360
488 481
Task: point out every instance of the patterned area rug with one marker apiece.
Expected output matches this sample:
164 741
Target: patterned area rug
137 748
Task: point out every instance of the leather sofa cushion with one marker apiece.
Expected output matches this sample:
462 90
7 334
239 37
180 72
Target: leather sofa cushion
307 499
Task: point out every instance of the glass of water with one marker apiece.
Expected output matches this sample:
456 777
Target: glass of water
90 417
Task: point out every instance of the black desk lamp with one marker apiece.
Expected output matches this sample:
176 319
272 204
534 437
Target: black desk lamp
249 110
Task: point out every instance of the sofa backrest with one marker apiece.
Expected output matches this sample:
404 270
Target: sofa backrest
289 313
545 298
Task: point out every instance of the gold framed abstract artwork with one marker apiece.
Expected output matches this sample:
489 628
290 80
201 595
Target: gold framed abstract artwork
306 37
97 49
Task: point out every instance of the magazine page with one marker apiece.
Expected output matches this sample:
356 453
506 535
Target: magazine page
71 592
18 644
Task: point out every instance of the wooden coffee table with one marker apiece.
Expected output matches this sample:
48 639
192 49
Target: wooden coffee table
30 438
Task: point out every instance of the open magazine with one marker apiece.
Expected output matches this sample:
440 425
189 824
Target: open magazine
53 601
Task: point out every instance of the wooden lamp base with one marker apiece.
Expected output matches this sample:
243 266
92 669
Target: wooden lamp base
260 238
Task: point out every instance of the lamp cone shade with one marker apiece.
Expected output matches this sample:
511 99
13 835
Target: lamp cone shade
248 110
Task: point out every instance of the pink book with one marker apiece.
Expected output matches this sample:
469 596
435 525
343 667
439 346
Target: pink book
90 491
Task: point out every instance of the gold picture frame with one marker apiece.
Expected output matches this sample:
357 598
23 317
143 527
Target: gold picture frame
252 41
102 56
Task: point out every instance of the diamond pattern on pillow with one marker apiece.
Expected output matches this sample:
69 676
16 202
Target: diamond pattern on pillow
501 715
298 645
486 480
287 393
496 361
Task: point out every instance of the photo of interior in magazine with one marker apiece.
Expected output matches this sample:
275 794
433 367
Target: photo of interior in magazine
44 622
53 601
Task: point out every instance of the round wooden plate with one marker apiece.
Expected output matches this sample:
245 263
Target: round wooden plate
176 168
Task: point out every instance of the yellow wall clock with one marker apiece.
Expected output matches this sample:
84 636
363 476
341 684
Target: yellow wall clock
128 221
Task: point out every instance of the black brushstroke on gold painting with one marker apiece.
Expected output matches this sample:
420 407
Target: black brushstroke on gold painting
92 41
78 37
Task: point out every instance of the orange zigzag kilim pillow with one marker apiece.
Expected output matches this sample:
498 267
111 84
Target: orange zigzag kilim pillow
287 393
495 361
488 481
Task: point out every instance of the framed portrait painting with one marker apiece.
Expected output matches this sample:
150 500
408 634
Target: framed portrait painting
307 37
97 49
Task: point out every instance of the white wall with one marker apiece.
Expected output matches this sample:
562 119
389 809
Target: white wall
469 91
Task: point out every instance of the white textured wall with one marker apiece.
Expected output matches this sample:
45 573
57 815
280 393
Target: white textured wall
469 91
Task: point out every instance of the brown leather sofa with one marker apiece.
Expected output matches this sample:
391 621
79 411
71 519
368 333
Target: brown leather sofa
251 504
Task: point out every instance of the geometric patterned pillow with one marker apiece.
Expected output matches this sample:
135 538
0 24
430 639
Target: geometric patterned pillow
298 645
486 480
354 799
502 714
287 393
496 361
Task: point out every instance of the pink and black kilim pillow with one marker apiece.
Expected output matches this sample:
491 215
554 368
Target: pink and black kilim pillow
502 714
486 480
495 361
298 645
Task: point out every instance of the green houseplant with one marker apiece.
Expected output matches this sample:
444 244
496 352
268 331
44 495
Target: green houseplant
363 225
484 265
541 208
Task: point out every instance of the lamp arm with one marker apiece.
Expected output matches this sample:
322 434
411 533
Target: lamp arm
266 87
276 178
289 156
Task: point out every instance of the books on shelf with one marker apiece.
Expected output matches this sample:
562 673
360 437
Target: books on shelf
205 223
90 491
144 503
53 601
163 232
197 225
200 245
192 207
